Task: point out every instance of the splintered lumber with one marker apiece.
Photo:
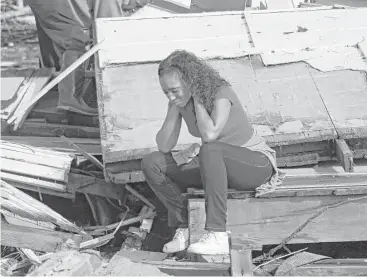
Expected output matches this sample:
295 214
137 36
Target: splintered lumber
15 219
70 263
17 92
35 239
11 82
271 219
15 200
21 115
34 162
36 155
39 78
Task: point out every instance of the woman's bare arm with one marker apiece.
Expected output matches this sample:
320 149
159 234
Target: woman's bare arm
167 136
210 126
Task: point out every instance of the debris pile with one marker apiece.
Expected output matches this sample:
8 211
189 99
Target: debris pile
25 219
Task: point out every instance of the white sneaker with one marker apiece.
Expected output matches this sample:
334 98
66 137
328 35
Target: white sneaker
211 243
179 242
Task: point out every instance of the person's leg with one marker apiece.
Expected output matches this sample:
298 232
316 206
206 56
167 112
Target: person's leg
224 166
168 181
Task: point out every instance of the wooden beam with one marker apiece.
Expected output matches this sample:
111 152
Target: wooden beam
35 239
271 220
14 196
344 155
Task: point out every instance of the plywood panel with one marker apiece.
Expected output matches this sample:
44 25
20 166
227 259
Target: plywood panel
301 29
152 39
345 97
269 221
311 35
282 102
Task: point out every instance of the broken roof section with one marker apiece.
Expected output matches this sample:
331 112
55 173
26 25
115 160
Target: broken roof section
327 39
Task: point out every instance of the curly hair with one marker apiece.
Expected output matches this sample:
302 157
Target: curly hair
203 81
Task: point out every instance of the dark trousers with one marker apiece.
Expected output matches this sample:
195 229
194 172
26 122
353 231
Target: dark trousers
218 166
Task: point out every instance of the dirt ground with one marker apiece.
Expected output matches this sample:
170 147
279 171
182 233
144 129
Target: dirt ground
19 43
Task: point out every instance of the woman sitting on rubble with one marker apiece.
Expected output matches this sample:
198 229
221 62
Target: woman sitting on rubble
232 155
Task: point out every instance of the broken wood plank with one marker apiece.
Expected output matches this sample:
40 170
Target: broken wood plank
11 82
344 155
37 82
8 111
38 158
24 237
28 149
34 170
90 145
56 218
271 219
14 219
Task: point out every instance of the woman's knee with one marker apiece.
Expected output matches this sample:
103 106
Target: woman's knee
210 147
153 160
